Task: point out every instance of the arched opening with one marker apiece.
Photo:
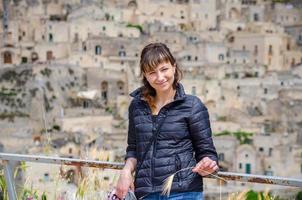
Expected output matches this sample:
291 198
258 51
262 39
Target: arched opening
132 4
50 37
104 89
34 56
7 57
121 87
122 53
98 50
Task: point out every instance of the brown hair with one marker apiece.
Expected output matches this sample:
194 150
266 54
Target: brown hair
152 55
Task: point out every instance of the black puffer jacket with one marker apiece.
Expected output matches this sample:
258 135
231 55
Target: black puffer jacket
184 139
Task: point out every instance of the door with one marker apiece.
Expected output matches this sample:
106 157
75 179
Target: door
49 55
247 168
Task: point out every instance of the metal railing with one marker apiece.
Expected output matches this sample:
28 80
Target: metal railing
8 158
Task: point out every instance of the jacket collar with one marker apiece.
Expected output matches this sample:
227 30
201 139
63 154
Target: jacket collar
180 92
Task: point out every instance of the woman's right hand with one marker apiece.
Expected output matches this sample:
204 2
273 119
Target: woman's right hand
124 183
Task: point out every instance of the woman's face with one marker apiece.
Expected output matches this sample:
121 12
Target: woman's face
162 77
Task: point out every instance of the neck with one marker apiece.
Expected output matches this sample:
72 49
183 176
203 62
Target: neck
165 97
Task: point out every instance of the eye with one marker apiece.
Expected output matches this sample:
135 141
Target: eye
165 69
151 73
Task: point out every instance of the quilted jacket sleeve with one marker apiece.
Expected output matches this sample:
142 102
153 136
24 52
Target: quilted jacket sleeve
131 148
200 131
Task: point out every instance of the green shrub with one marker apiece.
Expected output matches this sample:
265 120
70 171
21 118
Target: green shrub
243 137
299 196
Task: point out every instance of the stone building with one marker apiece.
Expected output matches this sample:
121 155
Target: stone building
286 14
267 48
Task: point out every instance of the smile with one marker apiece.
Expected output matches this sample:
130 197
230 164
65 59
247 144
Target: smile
161 83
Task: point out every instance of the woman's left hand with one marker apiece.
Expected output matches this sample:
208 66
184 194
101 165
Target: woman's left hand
205 167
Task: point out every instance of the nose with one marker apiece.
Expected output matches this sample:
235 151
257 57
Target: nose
160 77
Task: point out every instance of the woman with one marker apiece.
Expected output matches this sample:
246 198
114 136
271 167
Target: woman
168 131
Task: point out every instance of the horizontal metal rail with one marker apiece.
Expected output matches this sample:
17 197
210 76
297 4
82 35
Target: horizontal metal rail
7 158
61 161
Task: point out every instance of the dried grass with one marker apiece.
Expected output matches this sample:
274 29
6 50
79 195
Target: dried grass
169 181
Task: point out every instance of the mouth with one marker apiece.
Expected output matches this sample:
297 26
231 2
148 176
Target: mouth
161 83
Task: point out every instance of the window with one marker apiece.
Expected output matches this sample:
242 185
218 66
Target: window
265 90
122 53
50 37
49 55
256 17
121 86
70 150
270 50
46 177
104 89
270 151
240 165
256 50
243 48
98 50
221 57
24 59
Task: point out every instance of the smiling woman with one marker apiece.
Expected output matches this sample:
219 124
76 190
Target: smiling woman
168 131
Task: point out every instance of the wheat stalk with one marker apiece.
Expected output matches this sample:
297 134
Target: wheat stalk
168 181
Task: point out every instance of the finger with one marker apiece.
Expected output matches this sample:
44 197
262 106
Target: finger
132 186
216 168
197 166
213 164
206 164
121 193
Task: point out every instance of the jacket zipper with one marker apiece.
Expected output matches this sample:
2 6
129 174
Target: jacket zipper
154 130
155 141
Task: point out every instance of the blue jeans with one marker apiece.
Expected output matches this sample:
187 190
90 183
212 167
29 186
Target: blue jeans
175 196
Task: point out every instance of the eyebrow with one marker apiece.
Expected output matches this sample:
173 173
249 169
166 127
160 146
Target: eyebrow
164 66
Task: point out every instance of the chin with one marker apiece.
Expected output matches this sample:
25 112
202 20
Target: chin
163 89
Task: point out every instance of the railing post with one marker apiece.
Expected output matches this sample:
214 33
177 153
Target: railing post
9 178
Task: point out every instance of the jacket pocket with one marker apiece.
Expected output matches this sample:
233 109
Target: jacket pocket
178 167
